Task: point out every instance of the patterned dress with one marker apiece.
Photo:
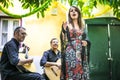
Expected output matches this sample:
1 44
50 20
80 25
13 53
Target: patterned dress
76 67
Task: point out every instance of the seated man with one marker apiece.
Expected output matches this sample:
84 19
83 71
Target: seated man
11 66
51 56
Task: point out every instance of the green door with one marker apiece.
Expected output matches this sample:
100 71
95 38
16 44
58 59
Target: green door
115 50
99 65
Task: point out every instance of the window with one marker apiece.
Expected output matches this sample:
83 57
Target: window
7 27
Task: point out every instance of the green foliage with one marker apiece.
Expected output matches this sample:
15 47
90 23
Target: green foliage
6 3
40 6
115 4
87 7
37 10
35 6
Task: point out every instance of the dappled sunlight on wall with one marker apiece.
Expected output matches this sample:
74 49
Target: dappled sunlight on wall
41 31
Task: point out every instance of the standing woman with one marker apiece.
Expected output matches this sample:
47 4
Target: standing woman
74 47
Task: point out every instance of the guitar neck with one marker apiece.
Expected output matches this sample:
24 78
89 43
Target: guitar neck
26 53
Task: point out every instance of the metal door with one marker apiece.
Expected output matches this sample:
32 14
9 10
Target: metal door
99 65
115 50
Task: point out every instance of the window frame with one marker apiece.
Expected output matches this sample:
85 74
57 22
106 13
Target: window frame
10 29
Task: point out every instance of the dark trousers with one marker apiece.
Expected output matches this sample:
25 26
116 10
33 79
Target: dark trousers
24 76
45 76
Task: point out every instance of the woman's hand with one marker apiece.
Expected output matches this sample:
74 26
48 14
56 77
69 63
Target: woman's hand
84 43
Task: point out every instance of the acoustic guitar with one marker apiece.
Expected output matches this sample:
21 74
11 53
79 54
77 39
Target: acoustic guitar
53 72
30 67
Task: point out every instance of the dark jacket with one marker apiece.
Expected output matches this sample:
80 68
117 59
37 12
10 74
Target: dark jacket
49 56
9 58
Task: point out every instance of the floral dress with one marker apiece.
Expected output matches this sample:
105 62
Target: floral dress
76 67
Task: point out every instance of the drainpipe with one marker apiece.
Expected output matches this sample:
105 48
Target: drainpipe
110 59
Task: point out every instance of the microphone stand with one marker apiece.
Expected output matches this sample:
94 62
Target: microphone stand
110 59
